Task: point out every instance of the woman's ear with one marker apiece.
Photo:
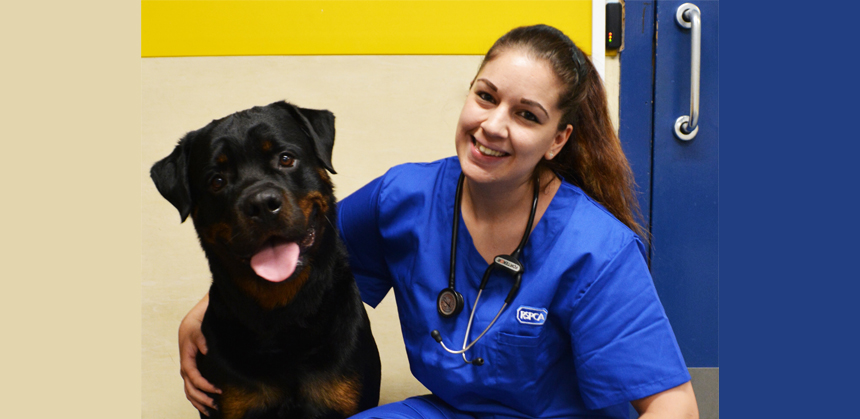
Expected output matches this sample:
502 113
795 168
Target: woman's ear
558 142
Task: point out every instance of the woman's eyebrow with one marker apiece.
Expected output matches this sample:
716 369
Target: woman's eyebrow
489 84
533 103
523 101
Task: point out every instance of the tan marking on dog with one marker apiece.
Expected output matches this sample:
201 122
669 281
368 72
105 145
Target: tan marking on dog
235 402
307 203
221 159
323 174
266 145
271 295
340 394
212 233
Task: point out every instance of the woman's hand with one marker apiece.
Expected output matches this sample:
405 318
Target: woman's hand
191 341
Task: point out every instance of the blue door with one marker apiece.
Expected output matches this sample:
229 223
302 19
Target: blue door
677 177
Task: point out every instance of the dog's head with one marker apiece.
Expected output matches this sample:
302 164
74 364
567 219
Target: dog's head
256 186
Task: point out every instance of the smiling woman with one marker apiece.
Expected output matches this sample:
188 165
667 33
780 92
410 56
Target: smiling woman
588 336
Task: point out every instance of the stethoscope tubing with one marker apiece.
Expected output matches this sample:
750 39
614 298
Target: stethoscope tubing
469 329
513 257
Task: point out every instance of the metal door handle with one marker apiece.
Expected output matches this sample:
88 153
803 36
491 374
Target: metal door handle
689 17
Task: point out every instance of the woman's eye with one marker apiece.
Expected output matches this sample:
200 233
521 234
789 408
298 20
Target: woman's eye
286 160
217 182
486 97
530 116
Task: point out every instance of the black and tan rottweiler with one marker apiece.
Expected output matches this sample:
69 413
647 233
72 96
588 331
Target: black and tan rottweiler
287 334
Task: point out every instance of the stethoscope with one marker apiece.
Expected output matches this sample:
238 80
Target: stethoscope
450 302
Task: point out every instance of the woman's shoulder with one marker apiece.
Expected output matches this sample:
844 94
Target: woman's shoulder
418 178
418 171
410 186
592 246
590 223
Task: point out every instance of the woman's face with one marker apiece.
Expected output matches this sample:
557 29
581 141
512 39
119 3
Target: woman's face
510 120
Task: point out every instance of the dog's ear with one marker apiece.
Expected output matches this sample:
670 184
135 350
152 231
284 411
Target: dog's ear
170 175
320 126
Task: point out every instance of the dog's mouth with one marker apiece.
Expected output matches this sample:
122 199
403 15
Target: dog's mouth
278 257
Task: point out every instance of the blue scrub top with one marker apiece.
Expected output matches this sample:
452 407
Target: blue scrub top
585 334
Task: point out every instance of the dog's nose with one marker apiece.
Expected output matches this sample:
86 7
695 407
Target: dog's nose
263 204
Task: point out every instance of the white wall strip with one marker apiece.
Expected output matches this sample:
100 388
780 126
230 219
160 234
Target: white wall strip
598 36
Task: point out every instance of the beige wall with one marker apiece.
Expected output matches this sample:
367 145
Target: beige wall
389 110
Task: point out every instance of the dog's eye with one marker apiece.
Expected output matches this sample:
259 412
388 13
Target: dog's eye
217 182
286 160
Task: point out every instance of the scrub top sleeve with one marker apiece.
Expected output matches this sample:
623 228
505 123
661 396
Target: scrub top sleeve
624 348
359 228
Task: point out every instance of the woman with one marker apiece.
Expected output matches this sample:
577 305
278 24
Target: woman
585 334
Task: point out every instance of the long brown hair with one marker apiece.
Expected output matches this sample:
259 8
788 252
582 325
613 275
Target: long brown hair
592 158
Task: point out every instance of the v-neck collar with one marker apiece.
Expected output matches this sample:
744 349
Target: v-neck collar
540 241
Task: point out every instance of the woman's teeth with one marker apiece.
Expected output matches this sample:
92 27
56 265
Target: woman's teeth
486 151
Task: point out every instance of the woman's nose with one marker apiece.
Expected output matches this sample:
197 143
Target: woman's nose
496 123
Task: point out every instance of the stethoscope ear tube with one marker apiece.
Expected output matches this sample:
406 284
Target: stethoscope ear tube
515 288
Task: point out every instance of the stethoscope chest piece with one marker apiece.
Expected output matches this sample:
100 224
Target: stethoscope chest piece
449 303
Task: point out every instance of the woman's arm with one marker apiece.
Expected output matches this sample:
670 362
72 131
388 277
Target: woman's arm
358 223
677 402
191 341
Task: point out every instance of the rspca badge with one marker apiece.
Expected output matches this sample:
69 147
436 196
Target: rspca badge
531 315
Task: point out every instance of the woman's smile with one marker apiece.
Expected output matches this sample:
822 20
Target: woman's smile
487 151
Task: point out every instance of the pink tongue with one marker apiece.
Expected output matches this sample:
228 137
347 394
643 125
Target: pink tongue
276 263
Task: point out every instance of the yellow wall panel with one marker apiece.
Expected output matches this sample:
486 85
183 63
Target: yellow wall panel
358 27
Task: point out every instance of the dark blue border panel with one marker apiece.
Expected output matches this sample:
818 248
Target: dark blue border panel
789 197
